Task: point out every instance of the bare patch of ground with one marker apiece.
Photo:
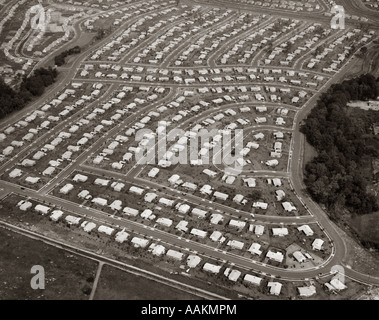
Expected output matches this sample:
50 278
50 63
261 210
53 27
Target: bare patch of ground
67 276
115 284
359 258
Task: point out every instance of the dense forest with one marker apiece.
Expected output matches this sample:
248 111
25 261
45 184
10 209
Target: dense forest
33 86
59 60
337 177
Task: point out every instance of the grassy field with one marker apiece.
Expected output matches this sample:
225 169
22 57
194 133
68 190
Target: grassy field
115 284
309 153
367 226
67 276
366 63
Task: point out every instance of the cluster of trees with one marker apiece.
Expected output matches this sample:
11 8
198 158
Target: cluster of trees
60 59
36 84
100 34
33 86
336 177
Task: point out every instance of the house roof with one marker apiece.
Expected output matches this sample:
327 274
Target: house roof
105 229
175 254
121 236
139 242
317 244
337 284
280 231
275 287
288 206
277 256
307 291
211 267
236 244
252 279
254 248
299 256
193 260
306 229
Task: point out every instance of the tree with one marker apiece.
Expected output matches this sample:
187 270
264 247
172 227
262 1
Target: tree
342 139
11 100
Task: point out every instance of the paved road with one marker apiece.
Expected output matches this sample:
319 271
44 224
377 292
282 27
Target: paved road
100 141
7 6
339 247
297 180
354 7
114 263
197 201
100 217
70 74
45 137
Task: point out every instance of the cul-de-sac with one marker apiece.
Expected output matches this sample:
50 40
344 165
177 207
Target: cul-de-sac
189 149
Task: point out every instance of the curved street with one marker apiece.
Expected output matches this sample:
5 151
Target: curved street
294 170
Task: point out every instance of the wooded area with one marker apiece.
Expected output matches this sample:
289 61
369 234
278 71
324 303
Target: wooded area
59 60
33 86
345 143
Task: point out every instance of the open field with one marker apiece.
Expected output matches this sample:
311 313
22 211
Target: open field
309 153
367 227
68 276
115 284
367 63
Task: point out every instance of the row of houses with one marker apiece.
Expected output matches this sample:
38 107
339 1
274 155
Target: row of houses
320 58
128 36
205 45
42 120
192 260
176 181
149 197
121 236
203 75
177 34
86 124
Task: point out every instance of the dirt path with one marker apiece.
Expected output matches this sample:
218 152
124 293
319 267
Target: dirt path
98 272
